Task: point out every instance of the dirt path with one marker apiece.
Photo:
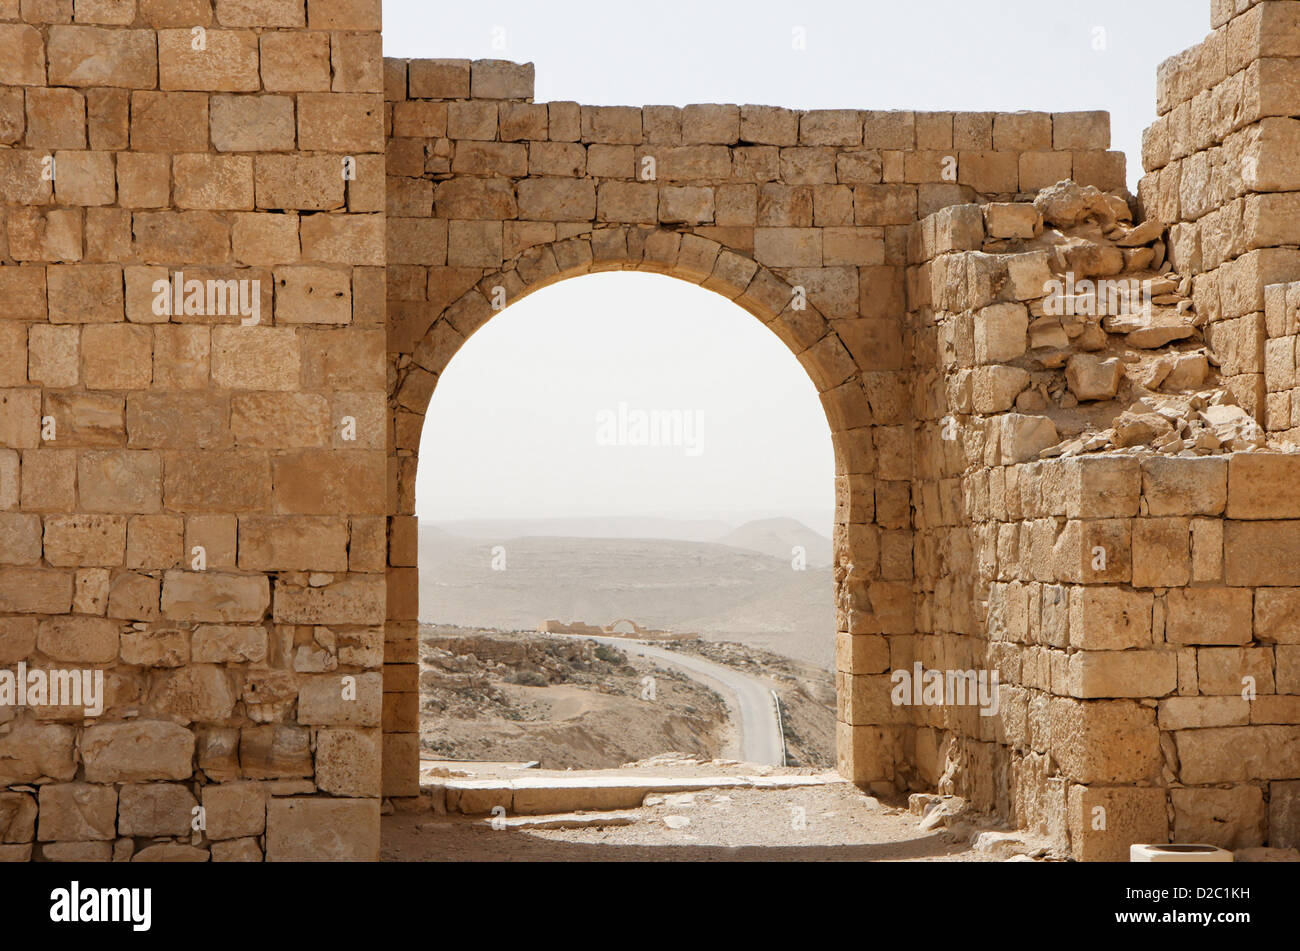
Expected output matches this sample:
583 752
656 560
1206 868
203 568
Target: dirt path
757 730
812 824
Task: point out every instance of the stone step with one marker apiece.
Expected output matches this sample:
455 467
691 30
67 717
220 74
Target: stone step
541 795
564 820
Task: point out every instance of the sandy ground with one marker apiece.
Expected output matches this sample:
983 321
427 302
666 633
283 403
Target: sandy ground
812 824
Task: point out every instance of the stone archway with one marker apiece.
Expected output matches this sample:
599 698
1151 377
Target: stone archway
865 748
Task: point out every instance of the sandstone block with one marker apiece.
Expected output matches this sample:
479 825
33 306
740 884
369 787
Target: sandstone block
1209 616
155 809
318 830
77 812
138 751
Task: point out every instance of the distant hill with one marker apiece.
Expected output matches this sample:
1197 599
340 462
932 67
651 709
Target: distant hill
778 537
722 591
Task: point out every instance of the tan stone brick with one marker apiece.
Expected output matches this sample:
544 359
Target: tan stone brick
314 295
87 419
155 809
229 63
181 357
92 56
20 418
1124 673
439 78
77 812
306 182
212 597
84 178
769 125
1161 552
343 14
255 358
117 356
617 125
216 482
280 421
295 826
830 127
322 483
1131 815
139 751
293 61
1261 553
10 479
22 53
1223 671
155 542
260 13
472 120
35 591
85 294
293 543
20 539
344 122
252 123
85 540
56 119
1104 741
235 810
1109 619
124 482
216 534
474 244
143 180
1209 616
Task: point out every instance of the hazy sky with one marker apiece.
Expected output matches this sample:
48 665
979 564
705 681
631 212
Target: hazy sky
515 416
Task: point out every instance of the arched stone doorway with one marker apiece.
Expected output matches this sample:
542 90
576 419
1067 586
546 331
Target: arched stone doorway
865 747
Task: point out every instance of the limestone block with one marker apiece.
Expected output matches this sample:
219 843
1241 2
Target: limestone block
158 647
235 810
1104 741
1230 671
77 812
1105 821
1109 619
1229 818
1262 553
85 640
1161 552
293 61
1123 673
1237 754
340 700
91 56
155 809
1209 616
200 693
348 762
316 830
275 751
208 596
1001 333
1185 486
138 751
229 643
228 64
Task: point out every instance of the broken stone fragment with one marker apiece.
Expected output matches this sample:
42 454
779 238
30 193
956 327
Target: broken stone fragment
1140 429
1093 378
1143 234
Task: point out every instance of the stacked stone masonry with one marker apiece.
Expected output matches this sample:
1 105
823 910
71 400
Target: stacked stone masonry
383 210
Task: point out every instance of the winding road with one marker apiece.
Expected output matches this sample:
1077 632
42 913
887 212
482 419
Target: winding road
749 699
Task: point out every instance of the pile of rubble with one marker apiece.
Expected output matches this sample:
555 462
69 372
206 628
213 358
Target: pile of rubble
1114 352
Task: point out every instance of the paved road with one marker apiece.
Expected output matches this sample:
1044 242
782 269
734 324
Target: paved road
749 699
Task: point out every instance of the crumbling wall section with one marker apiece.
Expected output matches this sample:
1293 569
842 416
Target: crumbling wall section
1100 526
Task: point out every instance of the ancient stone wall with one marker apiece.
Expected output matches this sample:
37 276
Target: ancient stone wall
802 218
213 503
1135 588
183 503
1222 172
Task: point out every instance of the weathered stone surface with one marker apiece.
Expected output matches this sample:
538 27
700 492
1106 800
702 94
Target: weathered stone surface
316 830
139 751
77 812
155 809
